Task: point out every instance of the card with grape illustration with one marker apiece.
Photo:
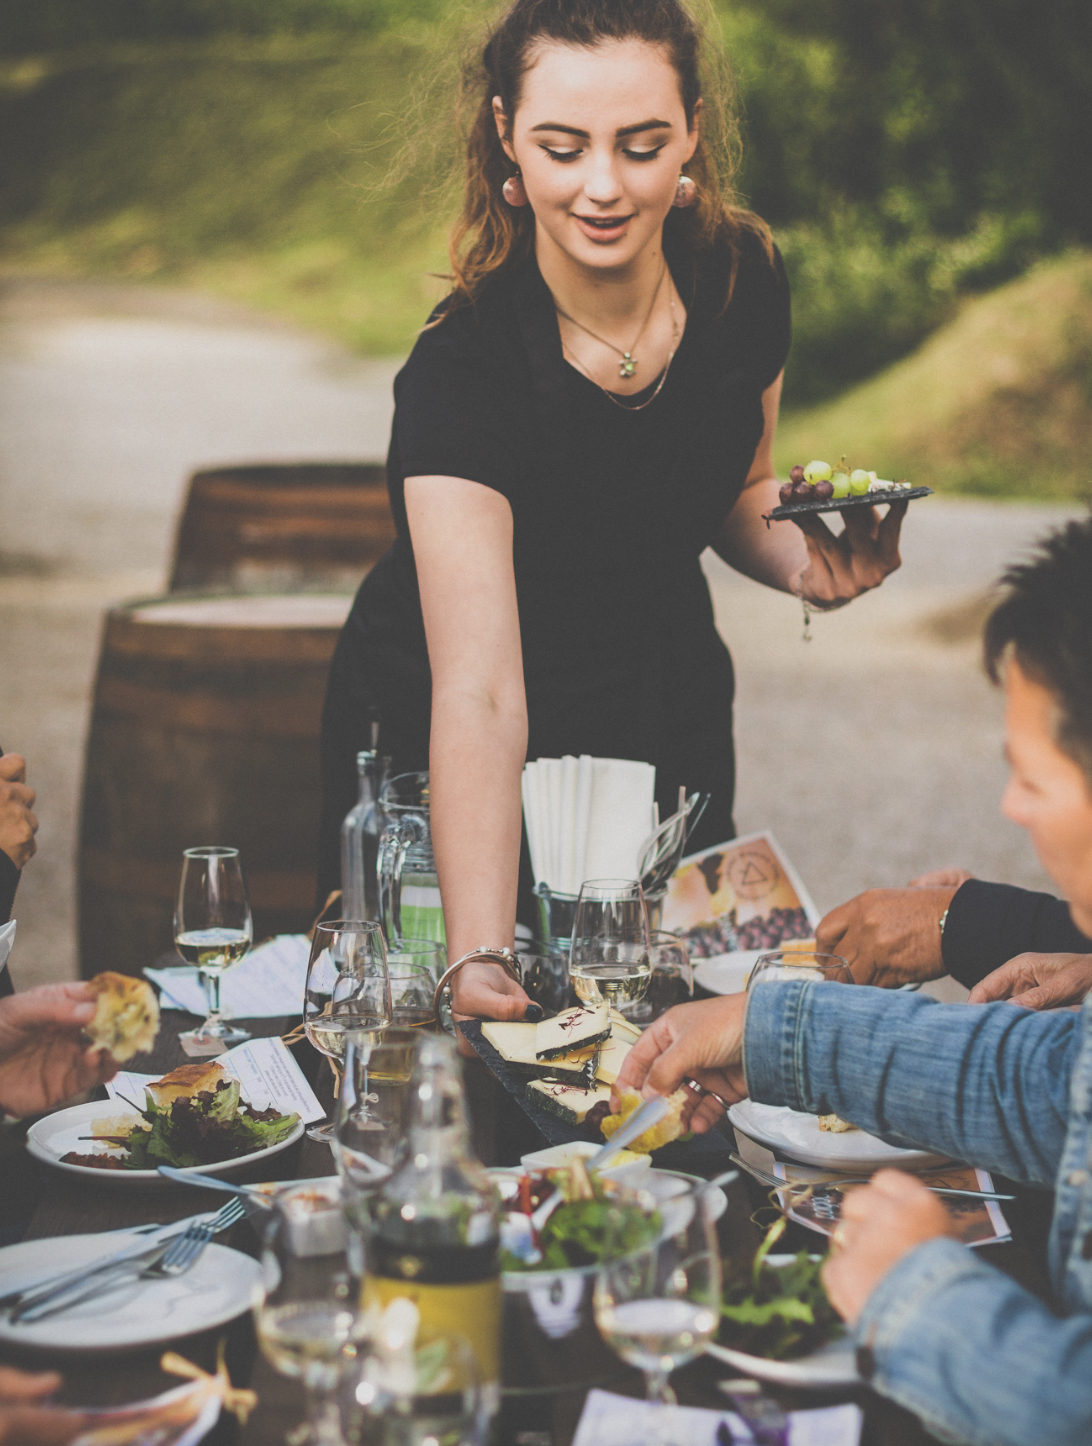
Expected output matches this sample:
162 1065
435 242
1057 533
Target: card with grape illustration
738 896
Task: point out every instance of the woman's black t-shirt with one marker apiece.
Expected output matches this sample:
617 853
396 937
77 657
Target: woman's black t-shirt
611 507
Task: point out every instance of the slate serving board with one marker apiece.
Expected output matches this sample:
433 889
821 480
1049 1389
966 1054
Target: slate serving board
840 504
704 1155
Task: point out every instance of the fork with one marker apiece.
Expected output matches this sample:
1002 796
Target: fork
765 1178
167 1260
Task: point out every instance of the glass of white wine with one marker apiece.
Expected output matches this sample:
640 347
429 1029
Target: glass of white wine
609 954
306 1308
803 964
347 994
371 1134
212 930
659 1307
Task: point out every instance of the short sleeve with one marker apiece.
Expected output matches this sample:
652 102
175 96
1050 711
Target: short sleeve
775 335
760 313
449 418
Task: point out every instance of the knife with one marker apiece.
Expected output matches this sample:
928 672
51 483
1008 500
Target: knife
649 1114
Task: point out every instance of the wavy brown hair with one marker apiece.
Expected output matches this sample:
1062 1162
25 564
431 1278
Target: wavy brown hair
489 233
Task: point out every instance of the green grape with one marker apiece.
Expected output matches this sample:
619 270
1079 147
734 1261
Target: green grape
859 481
817 472
840 483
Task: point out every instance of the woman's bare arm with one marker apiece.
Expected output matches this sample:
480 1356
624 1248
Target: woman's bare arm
830 568
462 542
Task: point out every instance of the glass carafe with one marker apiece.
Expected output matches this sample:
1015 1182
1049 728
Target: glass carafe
360 841
409 891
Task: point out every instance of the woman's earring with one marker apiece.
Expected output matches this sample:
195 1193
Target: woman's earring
686 193
513 191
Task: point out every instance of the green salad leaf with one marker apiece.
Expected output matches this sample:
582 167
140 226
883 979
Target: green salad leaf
204 1129
781 1311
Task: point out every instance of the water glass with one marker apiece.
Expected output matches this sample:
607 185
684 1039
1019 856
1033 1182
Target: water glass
373 1109
305 1308
609 957
212 930
671 981
415 967
799 964
545 976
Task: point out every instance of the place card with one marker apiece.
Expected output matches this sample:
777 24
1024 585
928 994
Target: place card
266 984
610 1420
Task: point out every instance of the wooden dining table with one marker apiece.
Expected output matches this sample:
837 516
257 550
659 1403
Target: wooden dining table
40 1202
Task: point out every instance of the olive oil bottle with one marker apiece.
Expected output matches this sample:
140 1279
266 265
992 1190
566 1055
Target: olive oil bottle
432 1230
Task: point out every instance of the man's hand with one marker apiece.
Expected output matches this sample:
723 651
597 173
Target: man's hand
1038 981
880 1224
44 1058
17 824
888 936
941 879
22 1421
701 1041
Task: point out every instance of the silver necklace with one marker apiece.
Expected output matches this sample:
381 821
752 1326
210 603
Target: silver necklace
628 365
663 375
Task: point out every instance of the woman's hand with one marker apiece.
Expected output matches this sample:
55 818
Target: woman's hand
880 1223
1038 981
857 560
702 1042
44 1057
23 1422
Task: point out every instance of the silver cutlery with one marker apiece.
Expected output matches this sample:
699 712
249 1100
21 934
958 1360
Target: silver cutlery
649 1114
165 1259
765 1178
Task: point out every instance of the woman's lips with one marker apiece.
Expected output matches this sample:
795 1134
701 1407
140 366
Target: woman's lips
603 228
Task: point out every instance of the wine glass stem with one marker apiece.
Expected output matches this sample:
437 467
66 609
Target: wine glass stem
324 1418
211 983
657 1389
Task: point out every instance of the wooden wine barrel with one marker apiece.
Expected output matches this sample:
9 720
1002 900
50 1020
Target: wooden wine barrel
275 528
204 730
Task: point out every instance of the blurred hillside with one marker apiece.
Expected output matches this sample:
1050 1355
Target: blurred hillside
910 154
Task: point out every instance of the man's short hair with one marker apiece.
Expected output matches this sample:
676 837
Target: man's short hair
1044 621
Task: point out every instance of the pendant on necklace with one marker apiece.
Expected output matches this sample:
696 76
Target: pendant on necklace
627 367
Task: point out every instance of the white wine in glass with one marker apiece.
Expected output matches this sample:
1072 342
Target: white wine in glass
212 930
609 956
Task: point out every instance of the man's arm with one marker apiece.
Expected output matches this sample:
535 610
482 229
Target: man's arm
988 924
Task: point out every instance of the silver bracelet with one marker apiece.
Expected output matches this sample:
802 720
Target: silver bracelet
504 957
811 606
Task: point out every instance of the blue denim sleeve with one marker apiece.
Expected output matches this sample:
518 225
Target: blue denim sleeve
978 1358
988 1083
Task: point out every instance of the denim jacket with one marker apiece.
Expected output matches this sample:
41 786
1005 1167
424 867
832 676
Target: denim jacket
972 1353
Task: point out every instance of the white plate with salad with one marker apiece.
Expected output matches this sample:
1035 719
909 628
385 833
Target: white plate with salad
66 1132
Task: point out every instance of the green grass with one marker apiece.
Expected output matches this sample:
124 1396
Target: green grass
997 403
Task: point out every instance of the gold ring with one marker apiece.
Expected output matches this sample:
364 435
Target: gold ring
838 1237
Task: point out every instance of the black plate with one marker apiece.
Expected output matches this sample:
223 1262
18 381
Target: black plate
839 504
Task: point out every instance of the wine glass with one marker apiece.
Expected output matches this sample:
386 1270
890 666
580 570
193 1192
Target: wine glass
373 1109
347 993
212 930
671 981
799 964
608 957
415 967
305 1308
659 1307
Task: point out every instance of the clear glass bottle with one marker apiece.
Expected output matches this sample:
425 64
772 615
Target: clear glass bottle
431 1233
360 840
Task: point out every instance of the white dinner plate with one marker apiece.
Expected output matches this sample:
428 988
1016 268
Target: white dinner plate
798 1136
57 1134
727 973
216 1288
832 1365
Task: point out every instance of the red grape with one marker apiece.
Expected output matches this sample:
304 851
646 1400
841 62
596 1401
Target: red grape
803 492
796 474
786 492
824 490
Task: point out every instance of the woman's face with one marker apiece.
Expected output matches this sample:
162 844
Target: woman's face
600 137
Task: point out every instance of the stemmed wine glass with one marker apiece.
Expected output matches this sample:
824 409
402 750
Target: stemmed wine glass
306 1308
609 954
659 1307
212 930
347 993
373 1109
799 964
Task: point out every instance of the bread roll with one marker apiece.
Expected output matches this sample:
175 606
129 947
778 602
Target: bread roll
126 1019
186 1081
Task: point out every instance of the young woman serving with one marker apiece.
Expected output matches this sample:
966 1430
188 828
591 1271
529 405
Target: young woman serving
592 406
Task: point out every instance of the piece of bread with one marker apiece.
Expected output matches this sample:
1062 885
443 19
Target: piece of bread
186 1081
834 1125
669 1128
126 1019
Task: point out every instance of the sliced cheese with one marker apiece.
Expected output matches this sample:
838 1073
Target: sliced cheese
568 1101
515 1043
611 1055
573 1029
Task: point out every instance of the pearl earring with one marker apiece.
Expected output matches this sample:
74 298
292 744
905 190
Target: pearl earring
513 191
686 193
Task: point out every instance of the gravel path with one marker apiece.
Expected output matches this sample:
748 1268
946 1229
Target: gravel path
873 751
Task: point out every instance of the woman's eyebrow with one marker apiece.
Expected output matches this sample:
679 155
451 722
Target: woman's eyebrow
648 125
